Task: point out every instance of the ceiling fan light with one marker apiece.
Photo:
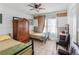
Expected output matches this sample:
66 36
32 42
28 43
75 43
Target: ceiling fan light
36 7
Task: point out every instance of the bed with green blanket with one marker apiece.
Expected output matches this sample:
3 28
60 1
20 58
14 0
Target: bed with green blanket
13 47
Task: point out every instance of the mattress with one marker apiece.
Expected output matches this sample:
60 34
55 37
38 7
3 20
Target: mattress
37 35
12 47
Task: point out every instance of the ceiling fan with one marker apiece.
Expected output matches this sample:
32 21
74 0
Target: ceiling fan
36 6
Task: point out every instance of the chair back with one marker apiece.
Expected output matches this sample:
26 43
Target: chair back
67 39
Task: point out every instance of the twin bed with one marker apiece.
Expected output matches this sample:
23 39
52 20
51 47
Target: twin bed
39 36
9 46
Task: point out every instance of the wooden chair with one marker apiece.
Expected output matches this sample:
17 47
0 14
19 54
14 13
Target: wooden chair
64 43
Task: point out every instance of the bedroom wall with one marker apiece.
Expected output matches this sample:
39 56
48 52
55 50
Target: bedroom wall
72 20
78 23
62 21
7 16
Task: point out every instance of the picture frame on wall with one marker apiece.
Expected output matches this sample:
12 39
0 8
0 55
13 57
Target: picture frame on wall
0 18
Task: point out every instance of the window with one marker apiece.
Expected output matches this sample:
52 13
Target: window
52 28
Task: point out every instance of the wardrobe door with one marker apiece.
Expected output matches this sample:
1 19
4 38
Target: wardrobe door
15 25
22 30
27 30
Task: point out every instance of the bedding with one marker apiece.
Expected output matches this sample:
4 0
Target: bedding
4 37
27 51
36 33
12 47
40 36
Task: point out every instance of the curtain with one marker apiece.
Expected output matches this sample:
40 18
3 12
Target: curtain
41 23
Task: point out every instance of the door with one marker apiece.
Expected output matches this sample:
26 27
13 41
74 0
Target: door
23 30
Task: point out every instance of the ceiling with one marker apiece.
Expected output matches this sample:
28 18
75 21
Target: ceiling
49 7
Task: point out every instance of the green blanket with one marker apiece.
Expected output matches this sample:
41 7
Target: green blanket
14 50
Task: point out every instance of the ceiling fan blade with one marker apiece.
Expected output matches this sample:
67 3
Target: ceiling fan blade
30 5
42 8
31 9
35 10
39 5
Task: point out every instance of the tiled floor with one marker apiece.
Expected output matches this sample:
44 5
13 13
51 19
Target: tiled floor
48 48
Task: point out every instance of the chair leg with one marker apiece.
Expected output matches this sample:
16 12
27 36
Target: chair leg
67 48
32 47
56 46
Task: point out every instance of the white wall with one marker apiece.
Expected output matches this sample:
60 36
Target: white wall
78 23
72 20
62 21
7 17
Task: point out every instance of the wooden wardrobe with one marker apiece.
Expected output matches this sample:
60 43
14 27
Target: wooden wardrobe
20 29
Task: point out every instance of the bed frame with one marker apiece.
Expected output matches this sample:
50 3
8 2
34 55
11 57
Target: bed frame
31 45
25 47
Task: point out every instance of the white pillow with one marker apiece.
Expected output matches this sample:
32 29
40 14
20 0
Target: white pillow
4 37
